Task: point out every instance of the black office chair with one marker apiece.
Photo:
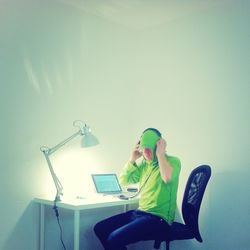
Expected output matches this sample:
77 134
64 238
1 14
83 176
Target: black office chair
191 203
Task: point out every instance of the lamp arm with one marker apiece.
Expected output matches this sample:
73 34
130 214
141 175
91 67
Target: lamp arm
47 152
59 145
59 187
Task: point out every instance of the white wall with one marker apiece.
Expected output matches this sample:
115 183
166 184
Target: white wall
189 77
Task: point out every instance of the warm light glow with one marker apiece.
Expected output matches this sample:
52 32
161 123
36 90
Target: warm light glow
74 166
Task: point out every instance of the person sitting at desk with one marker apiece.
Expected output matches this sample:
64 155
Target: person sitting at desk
157 175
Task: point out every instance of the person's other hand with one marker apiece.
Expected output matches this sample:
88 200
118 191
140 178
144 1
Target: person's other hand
136 153
161 147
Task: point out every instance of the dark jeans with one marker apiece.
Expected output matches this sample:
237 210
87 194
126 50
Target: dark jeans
120 230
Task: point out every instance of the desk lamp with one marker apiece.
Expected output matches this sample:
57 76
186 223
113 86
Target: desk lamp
88 140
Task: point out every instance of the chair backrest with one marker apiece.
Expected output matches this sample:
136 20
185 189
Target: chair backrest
192 198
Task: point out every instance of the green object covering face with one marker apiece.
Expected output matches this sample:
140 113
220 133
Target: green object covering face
148 140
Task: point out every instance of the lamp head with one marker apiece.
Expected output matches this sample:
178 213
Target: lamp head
88 139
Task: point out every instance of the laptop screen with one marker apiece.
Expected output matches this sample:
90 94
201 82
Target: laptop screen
106 183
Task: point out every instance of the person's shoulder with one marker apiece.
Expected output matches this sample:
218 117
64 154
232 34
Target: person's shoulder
172 157
174 160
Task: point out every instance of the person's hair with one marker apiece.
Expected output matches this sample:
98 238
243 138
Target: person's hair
153 129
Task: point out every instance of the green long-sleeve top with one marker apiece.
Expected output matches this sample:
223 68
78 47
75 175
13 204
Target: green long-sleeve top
156 196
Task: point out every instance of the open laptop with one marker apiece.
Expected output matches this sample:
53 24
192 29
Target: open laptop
108 184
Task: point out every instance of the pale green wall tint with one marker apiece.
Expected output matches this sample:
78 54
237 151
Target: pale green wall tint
189 78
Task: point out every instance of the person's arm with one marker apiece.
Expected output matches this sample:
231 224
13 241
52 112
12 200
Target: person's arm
136 154
131 172
166 169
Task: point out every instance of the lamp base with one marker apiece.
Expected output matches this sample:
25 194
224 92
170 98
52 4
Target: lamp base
57 199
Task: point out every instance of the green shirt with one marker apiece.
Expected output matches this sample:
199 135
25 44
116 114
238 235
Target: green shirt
156 196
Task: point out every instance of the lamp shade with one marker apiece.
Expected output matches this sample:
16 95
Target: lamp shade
88 139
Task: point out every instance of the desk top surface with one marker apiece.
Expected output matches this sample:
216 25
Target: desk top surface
81 203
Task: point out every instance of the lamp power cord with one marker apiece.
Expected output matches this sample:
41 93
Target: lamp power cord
55 208
138 192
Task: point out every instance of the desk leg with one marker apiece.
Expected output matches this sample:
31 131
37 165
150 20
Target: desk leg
125 208
41 236
76 229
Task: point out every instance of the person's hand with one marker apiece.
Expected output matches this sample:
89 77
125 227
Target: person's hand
161 147
136 153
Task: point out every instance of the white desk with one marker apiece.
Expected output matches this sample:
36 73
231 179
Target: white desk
77 205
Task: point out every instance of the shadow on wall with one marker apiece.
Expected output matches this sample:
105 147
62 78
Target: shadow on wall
229 210
225 214
25 233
